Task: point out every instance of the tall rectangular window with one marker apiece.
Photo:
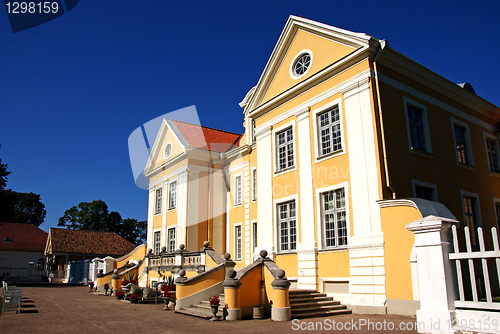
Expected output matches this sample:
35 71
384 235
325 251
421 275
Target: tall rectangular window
416 128
237 242
492 153
171 240
254 236
172 195
287 226
237 190
158 201
334 218
471 217
157 242
254 184
462 145
285 157
329 131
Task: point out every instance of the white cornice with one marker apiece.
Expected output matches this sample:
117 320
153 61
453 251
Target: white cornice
170 163
359 41
438 103
353 82
238 167
415 71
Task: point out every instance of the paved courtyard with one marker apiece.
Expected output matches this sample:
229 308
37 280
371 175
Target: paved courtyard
69 309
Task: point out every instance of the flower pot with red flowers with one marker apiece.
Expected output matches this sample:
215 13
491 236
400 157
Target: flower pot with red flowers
119 295
133 299
214 305
166 298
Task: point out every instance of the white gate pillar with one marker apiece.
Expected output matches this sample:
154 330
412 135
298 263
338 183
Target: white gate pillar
436 275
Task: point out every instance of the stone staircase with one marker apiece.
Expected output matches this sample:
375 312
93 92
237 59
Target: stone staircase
203 310
311 304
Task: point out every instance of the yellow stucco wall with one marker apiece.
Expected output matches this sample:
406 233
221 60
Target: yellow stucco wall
333 264
288 263
397 250
201 284
324 52
137 254
250 288
440 167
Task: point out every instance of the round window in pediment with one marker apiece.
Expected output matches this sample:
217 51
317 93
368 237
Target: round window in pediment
168 150
301 64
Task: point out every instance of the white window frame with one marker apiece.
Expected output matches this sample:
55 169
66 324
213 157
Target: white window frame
172 206
155 233
254 184
468 148
317 139
238 253
274 133
425 124
496 201
169 239
417 183
165 150
464 194
255 236
238 199
488 137
277 233
319 214
295 76
158 205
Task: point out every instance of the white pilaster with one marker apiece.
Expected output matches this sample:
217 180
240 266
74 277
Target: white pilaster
151 201
265 186
362 152
182 216
366 252
306 250
163 234
193 206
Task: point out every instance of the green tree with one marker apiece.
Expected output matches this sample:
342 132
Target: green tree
27 208
4 173
95 216
16 207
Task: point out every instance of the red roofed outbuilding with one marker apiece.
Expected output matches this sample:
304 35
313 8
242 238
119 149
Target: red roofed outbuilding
21 244
65 245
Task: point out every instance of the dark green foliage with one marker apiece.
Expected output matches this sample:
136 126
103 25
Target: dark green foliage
15 207
95 216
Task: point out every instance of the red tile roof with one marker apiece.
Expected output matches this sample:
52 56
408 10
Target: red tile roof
88 242
22 237
208 138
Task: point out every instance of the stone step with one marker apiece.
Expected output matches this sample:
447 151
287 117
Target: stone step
314 308
301 292
313 304
303 299
322 313
310 304
198 312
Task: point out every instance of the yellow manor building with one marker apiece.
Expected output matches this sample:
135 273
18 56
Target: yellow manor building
346 142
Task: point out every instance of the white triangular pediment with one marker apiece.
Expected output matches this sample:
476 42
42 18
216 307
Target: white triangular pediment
327 46
160 155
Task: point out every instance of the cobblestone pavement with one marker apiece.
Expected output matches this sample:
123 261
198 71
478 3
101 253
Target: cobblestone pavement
69 309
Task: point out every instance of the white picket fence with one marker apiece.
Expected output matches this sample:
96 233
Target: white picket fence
468 257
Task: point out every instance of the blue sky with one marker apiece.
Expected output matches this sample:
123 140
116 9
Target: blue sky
72 90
